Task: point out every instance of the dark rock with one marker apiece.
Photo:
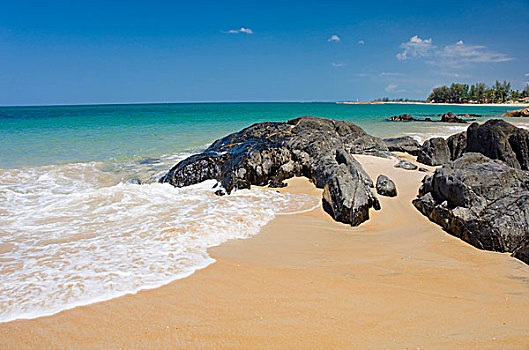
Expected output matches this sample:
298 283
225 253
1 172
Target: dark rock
522 254
434 151
457 144
423 170
269 153
404 164
451 118
220 192
498 139
385 186
402 118
482 201
403 144
519 113
346 198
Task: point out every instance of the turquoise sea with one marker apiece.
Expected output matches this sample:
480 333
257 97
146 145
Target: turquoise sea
33 136
76 228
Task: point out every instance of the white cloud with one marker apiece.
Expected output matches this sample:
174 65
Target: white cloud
334 37
361 42
338 64
246 30
527 74
455 55
242 30
415 47
391 87
450 75
459 53
389 74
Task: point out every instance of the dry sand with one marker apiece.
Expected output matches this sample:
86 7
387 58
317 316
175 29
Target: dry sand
396 281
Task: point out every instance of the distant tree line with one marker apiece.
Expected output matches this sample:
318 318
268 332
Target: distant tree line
387 99
500 92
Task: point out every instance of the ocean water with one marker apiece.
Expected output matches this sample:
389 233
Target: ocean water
75 228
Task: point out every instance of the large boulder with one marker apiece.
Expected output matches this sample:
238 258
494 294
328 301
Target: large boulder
386 186
457 144
498 139
484 202
268 153
434 151
346 198
403 144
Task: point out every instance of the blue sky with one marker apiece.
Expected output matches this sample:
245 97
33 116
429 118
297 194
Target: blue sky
134 51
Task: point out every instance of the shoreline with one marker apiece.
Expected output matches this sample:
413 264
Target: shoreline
439 104
397 280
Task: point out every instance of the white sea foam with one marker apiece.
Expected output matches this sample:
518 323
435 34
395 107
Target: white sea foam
69 235
436 131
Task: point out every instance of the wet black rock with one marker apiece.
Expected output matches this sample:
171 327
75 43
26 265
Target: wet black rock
434 152
498 139
385 186
403 144
404 164
484 202
269 153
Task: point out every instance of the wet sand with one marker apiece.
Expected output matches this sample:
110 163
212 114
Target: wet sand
396 281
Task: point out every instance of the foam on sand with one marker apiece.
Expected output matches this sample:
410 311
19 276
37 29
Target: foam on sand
69 236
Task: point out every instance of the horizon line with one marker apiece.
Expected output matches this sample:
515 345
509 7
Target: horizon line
153 103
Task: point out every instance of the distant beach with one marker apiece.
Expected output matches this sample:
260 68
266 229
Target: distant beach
437 104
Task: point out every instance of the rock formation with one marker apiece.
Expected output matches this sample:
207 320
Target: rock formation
519 113
485 202
457 144
434 151
402 118
451 118
495 138
498 139
385 186
403 144
404 164
268 153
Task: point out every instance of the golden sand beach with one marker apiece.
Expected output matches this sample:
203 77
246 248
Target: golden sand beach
396 281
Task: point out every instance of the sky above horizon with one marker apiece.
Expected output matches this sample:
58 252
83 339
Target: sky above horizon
70 52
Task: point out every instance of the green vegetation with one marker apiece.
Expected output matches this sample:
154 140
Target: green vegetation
387 99
500 92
